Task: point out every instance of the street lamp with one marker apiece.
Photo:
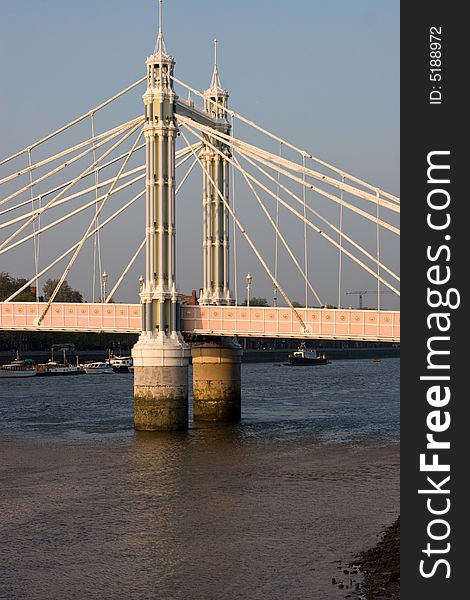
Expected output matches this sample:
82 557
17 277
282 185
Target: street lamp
141 283
104 279
249 279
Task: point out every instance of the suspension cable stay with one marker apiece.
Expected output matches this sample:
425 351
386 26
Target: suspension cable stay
278 233
57 188
184 152
35 236
79 195
96 239
276 242
323 219
304 200
340 253
189 125
89 228
62 153
235 249
124 273
340 172
141 246
69 215
246 236
277 163
72 248
74 122
118 131
74 181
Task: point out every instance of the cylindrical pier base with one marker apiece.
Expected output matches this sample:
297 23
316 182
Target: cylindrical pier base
160 383
217 380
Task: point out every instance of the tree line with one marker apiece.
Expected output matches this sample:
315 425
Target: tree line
10 284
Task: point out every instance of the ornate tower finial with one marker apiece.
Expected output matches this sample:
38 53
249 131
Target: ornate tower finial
215 82
159 65
160 48
216 94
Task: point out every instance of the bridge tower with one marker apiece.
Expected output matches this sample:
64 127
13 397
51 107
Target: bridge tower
161 356
215 214
216 363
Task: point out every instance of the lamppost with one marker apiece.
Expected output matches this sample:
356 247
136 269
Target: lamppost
249 279
141 283
104 279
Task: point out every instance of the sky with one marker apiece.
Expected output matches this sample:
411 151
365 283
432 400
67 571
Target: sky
323 75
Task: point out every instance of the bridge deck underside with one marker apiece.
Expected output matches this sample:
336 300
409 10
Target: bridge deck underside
280 322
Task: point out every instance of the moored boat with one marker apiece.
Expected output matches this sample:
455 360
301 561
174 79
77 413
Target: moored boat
121 364
304 356
52 367
96 368
18 368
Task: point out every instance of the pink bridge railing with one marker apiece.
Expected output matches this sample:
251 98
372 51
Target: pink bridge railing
67 316
331 324
341 324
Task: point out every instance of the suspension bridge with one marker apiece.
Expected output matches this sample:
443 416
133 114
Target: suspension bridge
104 176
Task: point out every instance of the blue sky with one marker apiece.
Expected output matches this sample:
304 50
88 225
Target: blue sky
324 75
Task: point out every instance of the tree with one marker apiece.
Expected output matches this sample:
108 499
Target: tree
65 294
9 284
255 301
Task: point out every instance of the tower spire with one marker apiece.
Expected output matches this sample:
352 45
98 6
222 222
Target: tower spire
215 82
215 93
216 193
160 48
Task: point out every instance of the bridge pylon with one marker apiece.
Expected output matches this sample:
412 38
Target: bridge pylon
216 289
161 356
217 362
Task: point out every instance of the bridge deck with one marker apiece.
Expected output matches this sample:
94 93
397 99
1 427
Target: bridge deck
329 324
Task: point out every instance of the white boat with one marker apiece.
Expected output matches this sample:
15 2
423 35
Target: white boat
18 368
97 368
121 364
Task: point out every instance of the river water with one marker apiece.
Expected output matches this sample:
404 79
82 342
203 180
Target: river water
263 509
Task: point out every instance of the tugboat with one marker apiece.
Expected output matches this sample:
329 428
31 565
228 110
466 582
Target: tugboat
18 368
304 356
121 364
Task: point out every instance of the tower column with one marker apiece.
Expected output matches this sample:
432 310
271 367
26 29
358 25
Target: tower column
216 289
160 356
226 243
216 362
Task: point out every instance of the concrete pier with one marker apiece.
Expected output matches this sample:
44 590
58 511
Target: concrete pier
217 380
160 382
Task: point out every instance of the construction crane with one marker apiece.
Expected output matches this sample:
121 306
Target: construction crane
364 292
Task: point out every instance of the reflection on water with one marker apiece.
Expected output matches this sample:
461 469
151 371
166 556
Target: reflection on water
262 509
